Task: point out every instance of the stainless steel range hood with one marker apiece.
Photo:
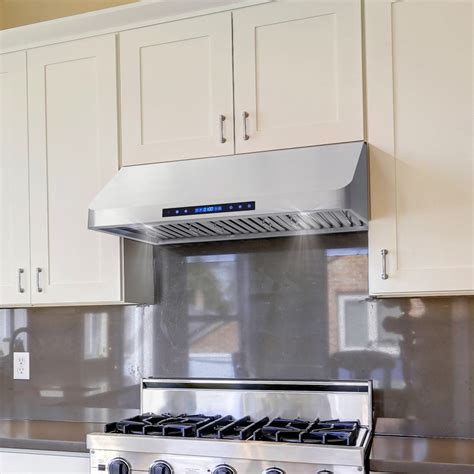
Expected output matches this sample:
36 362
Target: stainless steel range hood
312 190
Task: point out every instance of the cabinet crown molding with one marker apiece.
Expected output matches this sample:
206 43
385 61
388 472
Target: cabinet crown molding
111 20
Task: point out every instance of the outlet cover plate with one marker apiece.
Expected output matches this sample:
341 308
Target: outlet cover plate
21 365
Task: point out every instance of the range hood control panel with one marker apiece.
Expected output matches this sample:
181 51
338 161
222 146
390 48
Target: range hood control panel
209 209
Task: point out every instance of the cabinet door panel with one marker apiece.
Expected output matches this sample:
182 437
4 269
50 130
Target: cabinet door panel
14 202
43 463
298 74
73 153
420 130
176 82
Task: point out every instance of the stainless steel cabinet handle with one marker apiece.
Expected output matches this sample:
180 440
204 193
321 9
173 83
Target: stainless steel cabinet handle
20 286
221 122
38 285
245 116
384 253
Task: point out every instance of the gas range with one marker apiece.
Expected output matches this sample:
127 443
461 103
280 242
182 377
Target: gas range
240 427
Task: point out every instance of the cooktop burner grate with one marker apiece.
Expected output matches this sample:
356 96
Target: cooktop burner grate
327 432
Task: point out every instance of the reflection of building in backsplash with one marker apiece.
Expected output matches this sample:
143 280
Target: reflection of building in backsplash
291 308
356 329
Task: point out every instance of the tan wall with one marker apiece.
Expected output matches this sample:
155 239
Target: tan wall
1 14
23 12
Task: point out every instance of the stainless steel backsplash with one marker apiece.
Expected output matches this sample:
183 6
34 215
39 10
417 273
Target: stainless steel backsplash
289 308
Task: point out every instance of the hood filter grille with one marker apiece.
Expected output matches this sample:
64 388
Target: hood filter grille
297 223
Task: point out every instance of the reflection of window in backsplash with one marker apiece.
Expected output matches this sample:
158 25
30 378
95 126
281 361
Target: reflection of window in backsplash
355 332
95 335
135 363
13 331
5 334
346 251
211 284
347 282
214 294
361 326
360 346
218 364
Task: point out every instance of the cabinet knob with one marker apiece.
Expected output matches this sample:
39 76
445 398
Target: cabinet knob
384 253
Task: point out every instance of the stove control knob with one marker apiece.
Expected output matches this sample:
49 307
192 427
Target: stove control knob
223 469
160 467
119 466
273 470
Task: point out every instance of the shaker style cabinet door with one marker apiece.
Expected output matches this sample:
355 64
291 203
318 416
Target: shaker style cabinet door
72 100
176 90
36 462
14 203
420 91
298 74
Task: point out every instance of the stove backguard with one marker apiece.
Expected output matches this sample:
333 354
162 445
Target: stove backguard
350 400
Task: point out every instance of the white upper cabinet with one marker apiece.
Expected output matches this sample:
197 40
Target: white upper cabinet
72 100
297 81
298 74
420 92
176 90
14 206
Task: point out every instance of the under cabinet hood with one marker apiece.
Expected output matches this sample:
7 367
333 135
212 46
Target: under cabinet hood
313 190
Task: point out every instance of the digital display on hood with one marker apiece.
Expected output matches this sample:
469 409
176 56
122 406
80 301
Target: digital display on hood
209 209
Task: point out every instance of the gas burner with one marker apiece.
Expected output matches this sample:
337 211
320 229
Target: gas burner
229 428
334 432
164 425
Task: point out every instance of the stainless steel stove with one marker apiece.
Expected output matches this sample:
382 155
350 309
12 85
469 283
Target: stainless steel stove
240 427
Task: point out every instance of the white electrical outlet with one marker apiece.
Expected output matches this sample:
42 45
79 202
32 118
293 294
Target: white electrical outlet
21 365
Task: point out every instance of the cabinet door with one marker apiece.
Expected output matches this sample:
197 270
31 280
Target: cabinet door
73 153
48 462
14 203
420 91
176 90
298 74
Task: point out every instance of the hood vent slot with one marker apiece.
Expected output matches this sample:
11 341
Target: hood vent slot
314 222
